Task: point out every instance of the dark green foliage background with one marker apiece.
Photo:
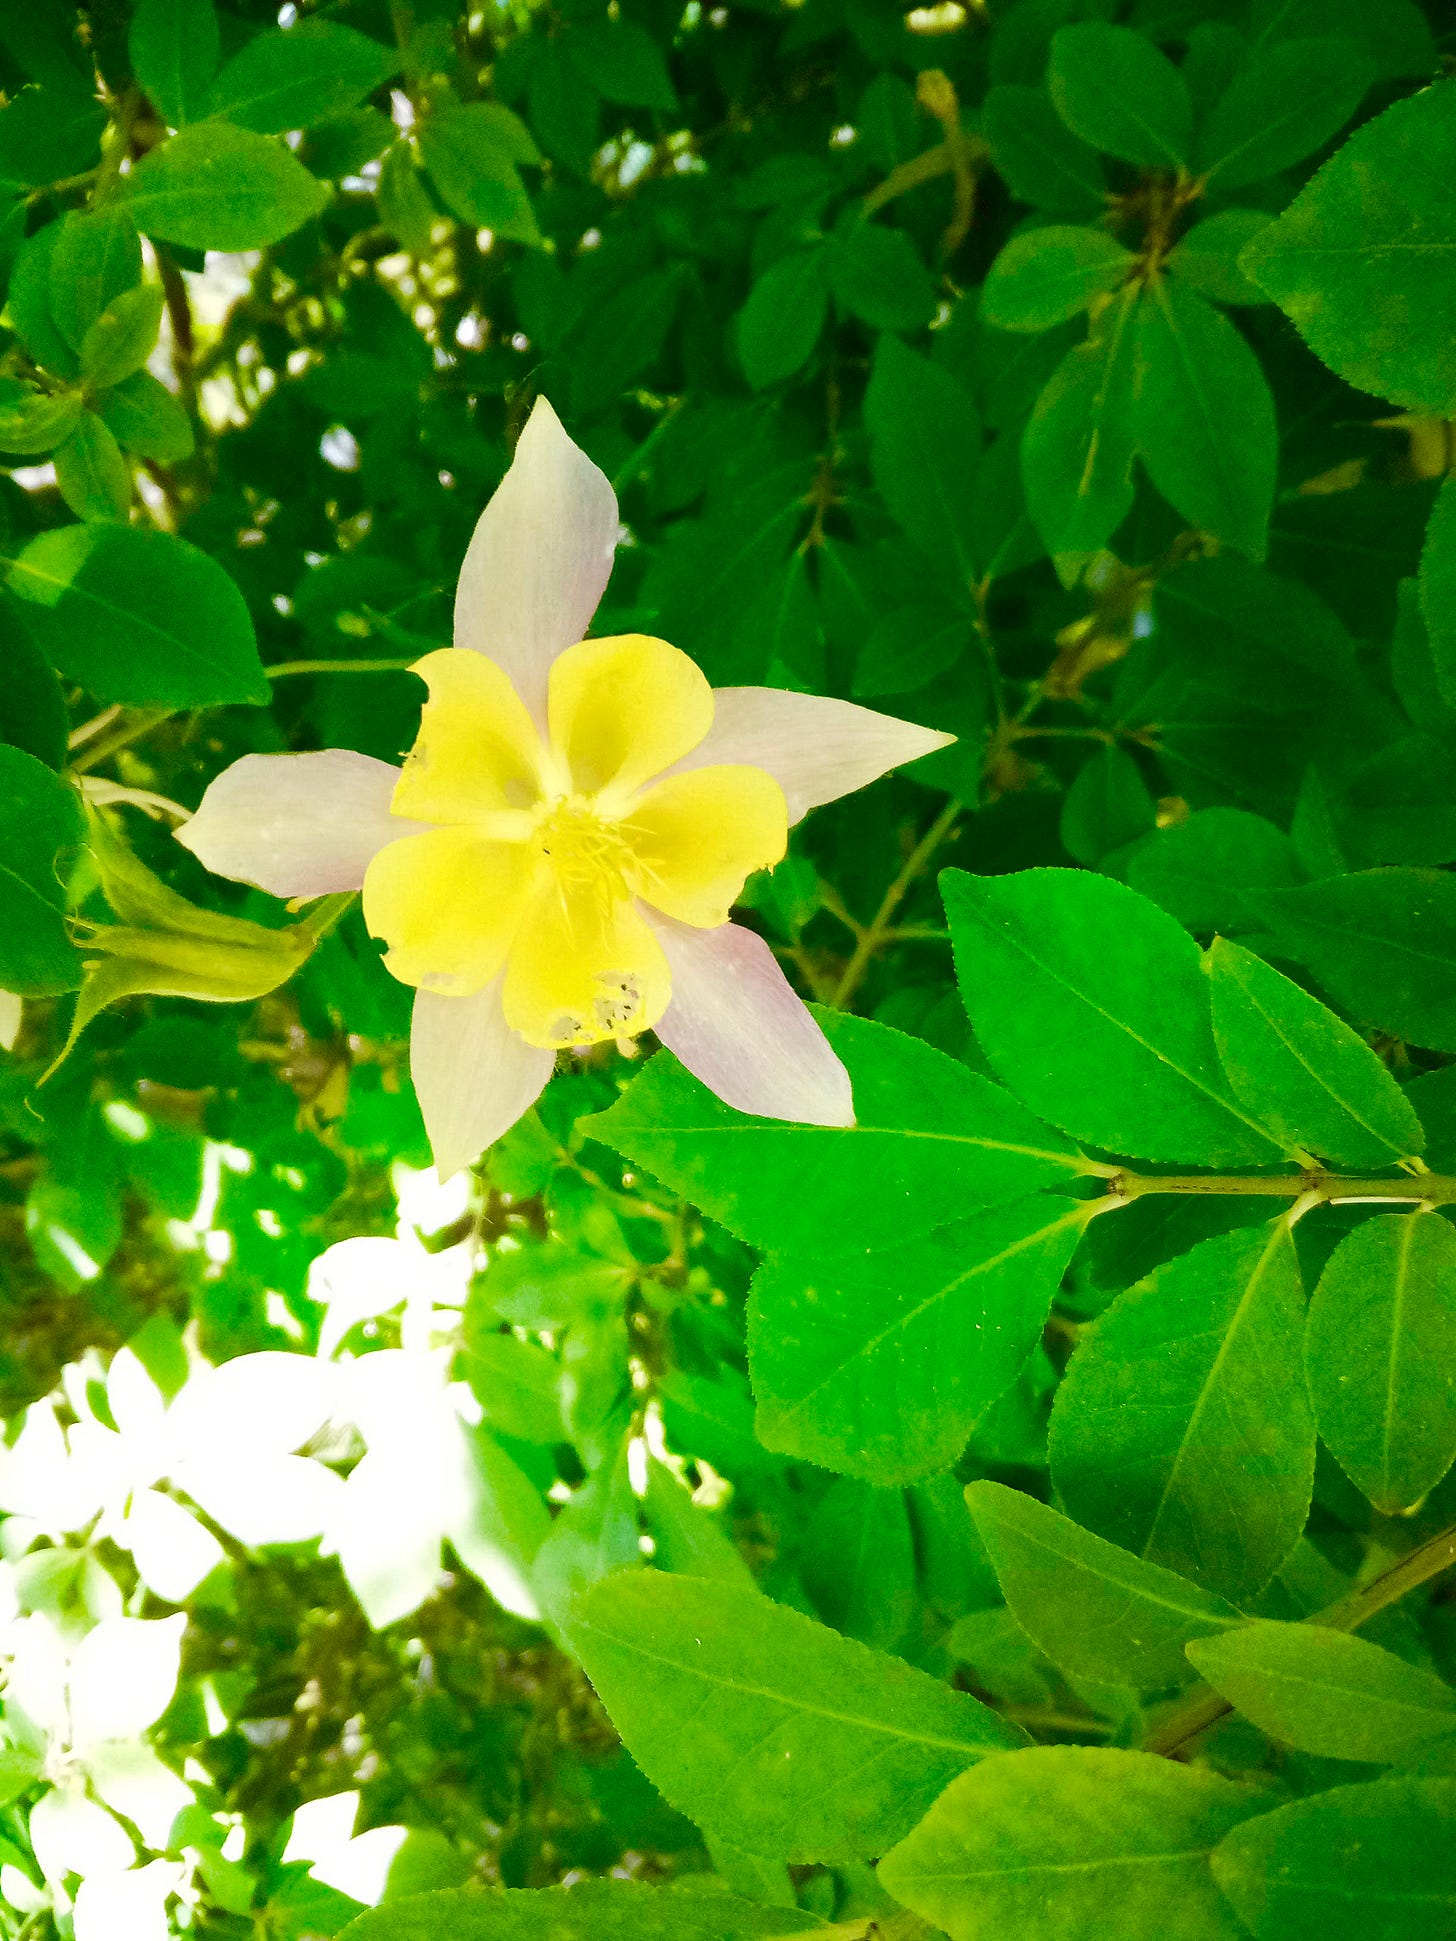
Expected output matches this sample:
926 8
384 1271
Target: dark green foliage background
1071 375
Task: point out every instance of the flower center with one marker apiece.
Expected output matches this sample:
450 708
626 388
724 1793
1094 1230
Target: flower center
589 855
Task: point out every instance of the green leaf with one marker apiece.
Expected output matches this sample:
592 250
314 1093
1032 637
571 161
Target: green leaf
1097 1611
28 303
123 336
593 1910
91 474
140 617
1201 870
1379 1351
36 421
1382 943
1325 1692
471 154
1204 417
931 1142
879 1364
1395 34
174 48
49 133
143 416
623 62
858 1562
33 713
1208 256
1438 590
290 79
687 1538
1044 276
925 452
1049 1841
1107 805
782 320
1364 260
1182 1430
771 1731
43 824
1302 1071
1284 103
1115 89
1092 1004
1275 635
405 208
1077 448
97 256
1358 1863
518 1384
1043 162
215 186
876 274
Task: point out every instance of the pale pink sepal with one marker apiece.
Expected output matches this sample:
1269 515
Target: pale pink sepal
297 825
473 1076
816 749
736 1023
540 557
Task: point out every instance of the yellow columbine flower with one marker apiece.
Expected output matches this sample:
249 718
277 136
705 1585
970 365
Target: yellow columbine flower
556 861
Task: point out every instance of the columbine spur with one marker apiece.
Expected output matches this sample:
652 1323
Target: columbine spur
555 863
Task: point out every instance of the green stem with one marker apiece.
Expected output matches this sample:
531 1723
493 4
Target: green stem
876 933
130 729
284 669
1204 1707
1425 1189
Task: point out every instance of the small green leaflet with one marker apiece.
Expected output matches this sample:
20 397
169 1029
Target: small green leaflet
473 155
1043 162
1358 1863
214 186
1312 1080
1093 1005
174 47
1045 1842
1379 1355
1182 1430
1077 446
1044 276
879 1364
782 320
1326 1692
1286 102
1097 1611
925 453
284 80
1204 416
931 1142
1122 94
774 1733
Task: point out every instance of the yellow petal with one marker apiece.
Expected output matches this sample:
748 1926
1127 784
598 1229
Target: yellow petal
478 754
623 709
448 904
584 968
696 838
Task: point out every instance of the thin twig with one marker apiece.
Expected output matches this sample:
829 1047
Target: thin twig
876 934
